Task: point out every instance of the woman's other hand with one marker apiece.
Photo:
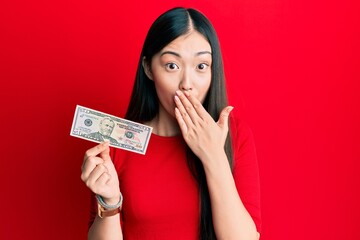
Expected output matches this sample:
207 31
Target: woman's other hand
204 136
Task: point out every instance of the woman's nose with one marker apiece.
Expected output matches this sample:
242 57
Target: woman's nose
186 84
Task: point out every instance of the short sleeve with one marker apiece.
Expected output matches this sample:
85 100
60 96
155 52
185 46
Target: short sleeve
245 169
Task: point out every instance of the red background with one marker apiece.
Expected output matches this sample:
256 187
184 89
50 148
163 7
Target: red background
293 73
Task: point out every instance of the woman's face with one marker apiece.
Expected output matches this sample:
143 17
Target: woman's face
184 64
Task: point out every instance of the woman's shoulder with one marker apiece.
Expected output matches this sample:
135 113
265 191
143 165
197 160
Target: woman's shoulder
243 143
239 128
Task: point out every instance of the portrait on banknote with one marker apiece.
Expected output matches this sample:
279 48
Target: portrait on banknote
106 127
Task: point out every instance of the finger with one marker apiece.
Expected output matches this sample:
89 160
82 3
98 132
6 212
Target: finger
89 165
181 122
189 106
224 116
185 108
95 174
197 105
105 154
103 179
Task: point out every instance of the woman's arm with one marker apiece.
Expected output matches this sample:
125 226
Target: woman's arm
106 228
99 174
206 139
230 218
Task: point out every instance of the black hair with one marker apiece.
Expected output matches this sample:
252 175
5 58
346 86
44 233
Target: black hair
144 102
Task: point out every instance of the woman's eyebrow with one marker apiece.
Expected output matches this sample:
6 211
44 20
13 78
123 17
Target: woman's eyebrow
178 55
203 52
170 52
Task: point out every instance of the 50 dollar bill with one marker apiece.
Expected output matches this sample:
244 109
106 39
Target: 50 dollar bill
97 127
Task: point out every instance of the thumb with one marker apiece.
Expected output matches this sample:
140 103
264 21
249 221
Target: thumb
224 116
105 154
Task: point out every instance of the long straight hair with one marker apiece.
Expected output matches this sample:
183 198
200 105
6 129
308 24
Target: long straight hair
144 102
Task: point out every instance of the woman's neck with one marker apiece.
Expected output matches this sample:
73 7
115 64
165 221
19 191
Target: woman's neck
164 124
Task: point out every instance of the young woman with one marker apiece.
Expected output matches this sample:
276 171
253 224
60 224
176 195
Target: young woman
196 181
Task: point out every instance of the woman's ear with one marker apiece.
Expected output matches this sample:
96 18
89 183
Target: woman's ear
147 68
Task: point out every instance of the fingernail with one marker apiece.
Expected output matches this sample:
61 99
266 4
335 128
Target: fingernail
176 98
176 110
106 142
230 109
178 92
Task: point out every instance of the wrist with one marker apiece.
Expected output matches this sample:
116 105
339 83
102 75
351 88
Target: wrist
215 161
112 200
213 158
110 203
108 210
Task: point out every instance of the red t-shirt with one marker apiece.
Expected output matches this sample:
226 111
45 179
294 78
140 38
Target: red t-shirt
161 198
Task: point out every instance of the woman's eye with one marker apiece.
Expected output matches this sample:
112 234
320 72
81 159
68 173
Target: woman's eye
202 66
172 66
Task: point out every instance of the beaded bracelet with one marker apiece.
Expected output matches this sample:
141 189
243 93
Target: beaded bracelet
107 206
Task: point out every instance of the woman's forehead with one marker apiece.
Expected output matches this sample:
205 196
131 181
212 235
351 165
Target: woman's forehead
192 42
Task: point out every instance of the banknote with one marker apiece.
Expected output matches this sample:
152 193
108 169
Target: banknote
97 126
